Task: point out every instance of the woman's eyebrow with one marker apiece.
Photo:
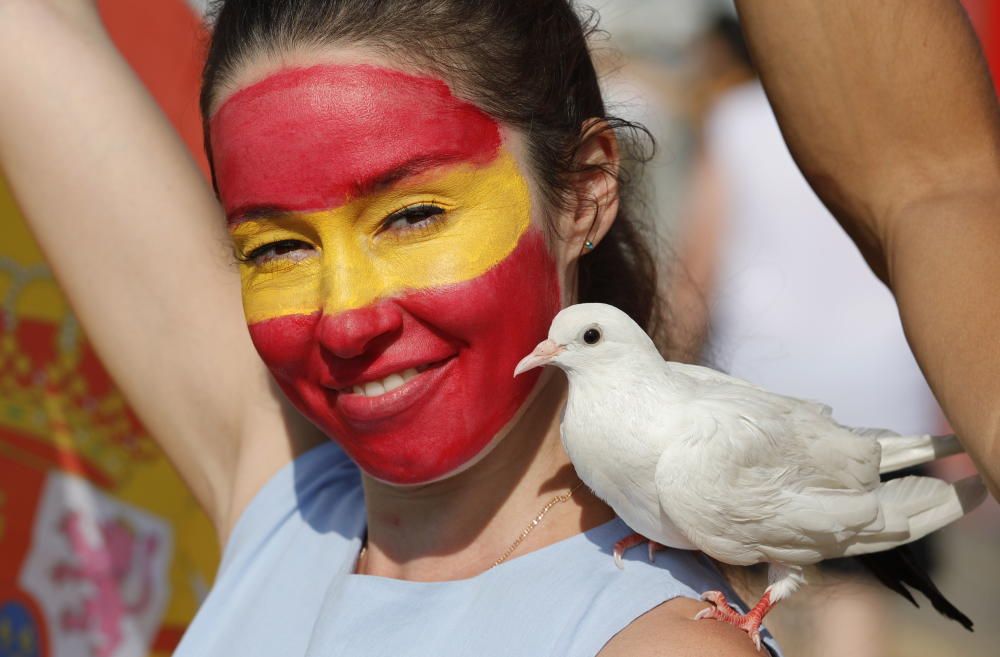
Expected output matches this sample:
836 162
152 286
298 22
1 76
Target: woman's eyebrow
239 215
364 187
402 171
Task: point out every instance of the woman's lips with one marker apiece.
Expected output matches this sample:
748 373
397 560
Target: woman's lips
366 408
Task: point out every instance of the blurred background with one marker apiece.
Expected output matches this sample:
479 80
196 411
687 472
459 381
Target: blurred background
104 554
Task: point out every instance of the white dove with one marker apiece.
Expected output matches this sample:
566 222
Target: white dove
691 458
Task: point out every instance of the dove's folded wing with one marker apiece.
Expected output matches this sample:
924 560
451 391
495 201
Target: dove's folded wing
772 479
897 451
804 430
851 459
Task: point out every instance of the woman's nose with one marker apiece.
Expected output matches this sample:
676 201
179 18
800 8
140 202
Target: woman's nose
351 333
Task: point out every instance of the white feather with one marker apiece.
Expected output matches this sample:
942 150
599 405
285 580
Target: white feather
900 452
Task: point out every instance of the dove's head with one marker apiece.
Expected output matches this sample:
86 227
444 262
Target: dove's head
590 337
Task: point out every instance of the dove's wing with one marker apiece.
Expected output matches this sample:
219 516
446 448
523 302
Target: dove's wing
898 451
749 474
852 455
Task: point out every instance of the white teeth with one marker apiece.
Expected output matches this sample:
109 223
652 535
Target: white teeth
389 383
392 382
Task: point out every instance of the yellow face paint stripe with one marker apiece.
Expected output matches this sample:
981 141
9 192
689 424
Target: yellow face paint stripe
355 260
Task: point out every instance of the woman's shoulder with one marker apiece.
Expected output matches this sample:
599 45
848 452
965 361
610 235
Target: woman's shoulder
669 630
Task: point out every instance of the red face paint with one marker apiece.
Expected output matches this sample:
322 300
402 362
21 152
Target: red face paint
308 139
331 140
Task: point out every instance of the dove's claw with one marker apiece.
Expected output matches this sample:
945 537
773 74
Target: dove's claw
631 541
722 611
719 602
705 613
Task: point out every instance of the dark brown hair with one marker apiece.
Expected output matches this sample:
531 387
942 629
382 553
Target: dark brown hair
525 62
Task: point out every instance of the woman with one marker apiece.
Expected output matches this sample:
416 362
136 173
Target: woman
412 190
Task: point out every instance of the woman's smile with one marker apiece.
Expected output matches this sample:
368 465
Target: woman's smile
392 395
377 388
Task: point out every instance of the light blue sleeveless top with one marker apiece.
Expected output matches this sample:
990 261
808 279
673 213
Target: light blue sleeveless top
285 586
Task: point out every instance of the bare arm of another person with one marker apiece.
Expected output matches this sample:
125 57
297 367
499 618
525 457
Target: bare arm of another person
888 110
138 243
670 630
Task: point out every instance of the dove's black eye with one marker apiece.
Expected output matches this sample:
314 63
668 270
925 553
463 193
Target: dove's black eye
592 336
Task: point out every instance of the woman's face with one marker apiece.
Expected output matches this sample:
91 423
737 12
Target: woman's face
393 269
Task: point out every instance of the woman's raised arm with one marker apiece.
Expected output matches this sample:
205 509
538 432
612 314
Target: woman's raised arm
888 109
137 241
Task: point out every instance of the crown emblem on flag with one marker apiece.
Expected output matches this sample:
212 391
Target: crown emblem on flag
57 405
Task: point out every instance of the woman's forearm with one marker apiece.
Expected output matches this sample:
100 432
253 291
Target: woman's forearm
888 110
944 265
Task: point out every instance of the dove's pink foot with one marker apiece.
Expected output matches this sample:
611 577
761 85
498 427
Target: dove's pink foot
629 542
749 622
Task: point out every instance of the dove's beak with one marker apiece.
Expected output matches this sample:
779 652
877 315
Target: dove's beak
543 353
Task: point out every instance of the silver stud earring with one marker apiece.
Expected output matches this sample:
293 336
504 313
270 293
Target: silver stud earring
588 245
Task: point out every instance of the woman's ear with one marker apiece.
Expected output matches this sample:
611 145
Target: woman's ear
595 190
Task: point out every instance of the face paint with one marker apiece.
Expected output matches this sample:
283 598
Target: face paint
308 139
387 245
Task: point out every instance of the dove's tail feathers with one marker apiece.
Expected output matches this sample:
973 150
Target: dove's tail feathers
921 504
897 569
900 452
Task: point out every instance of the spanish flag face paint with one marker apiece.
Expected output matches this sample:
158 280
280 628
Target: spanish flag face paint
392 277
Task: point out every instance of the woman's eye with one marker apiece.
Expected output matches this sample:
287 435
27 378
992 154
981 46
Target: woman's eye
285 250
416 216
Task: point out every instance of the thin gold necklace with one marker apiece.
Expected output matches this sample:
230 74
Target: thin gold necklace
558 499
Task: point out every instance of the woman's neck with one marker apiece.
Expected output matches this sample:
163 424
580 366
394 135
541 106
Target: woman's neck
460 526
